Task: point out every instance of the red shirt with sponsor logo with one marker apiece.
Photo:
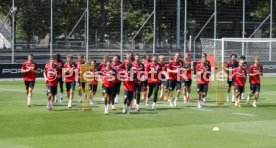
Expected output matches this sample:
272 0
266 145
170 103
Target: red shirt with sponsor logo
69 71
108 77
29 76
239 76
231 65
117 68
128 84
253 70
138 71
204 77
101 67
174 65
153 70
187 73
51 73
78 67
59 64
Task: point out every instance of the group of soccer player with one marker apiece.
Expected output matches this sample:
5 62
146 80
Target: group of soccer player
140 76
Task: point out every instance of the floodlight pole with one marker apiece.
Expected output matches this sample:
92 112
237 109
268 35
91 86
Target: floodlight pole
190 46
51 32
87 31
270 35
178 25
154 27
122 28
13 31
185 28
243 24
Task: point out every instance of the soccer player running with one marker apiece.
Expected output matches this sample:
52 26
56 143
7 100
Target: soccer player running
138 70
69 70
108 77
245 65
93 84
239 75
186 76
255 71
164 81
81 85
203 71
51 80
173 70
128 86
153 70
230 65
59 64
146 60
115 65
100 68
29 68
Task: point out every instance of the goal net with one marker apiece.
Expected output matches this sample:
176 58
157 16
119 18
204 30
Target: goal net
220 51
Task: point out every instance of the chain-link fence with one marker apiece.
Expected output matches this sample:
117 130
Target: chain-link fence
32 27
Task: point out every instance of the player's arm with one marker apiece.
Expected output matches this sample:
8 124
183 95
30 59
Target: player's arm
24 69
192 66
35 69
44 74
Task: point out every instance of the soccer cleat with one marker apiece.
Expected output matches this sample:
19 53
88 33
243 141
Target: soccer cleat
61 99
236 103
203 100
202 103
233 100
248 99
254 104
137 109
175 103
80 100
106 112
153 106
69 104
124 111
199 104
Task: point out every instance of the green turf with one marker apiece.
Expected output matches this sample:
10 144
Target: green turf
166 127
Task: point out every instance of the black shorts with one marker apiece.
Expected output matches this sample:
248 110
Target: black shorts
202 88
230 82
81 83
93 87
52 90
128 95
239 89
186 82
29 84
165 83
255 88
70 85
174 84
108 90
144 83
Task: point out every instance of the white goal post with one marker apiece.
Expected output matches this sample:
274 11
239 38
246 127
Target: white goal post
221 49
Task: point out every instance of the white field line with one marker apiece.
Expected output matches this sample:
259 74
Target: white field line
243 114
24 91
202 109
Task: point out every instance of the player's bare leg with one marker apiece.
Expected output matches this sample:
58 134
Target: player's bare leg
71 96
29 96
185 95
238 97
257 94
176 98
106 103
162 89
199 100
170 97
80 94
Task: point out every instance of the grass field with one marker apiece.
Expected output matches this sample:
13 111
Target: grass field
244 127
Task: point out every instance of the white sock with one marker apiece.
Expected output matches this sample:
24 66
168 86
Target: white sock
92 98
153 105
61 94
242 95
107 107
55 97
80 97
175 100
116 98
187 94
